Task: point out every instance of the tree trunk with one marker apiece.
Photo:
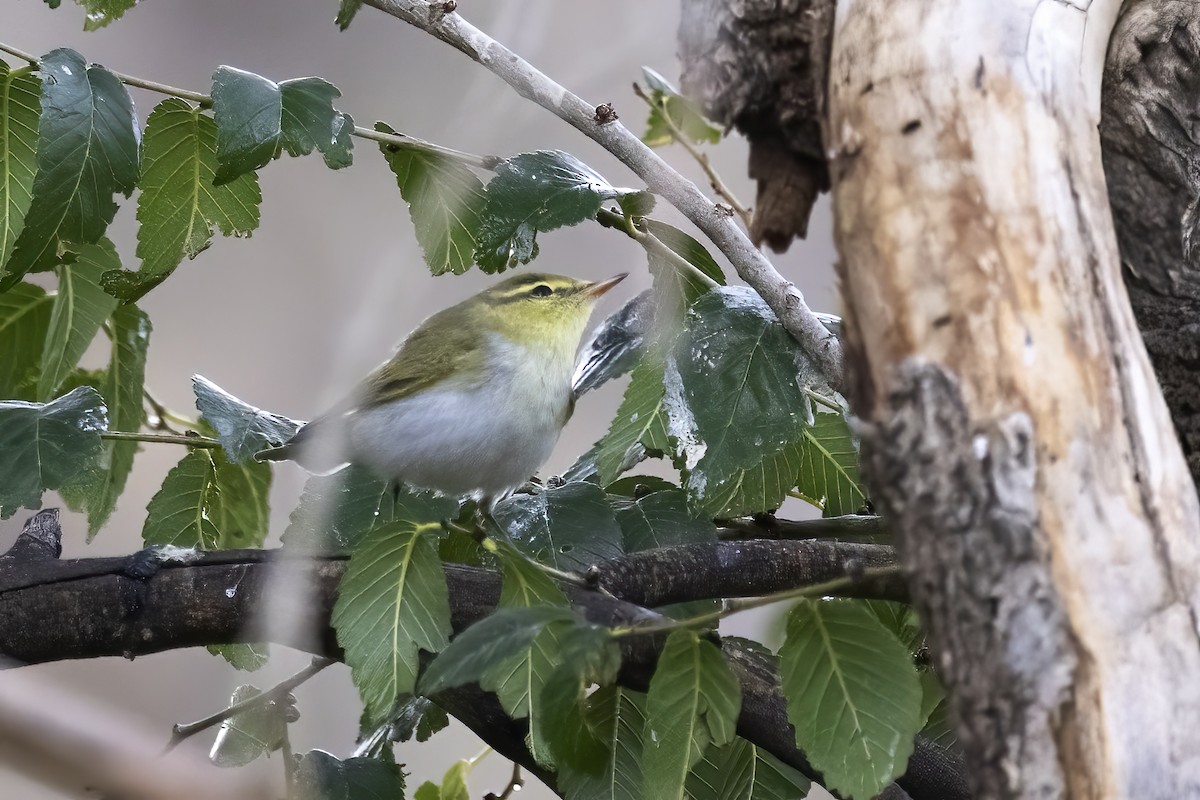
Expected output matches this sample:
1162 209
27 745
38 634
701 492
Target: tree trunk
1014 432
1152 162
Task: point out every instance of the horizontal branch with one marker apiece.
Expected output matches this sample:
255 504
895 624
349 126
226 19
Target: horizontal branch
780 294
53 609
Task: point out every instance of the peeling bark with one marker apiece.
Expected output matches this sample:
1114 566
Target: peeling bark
1014 433
760 66
1152 162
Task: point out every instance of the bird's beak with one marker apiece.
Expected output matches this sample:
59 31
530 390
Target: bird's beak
599 288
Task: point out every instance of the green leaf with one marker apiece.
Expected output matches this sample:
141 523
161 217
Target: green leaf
661 519
852 693
241 513
393 602
182 512
24 319
250 734
735 403
87 152
454 782
501 635
570 527
518 679
742 771
618 716
587 654
99 12
245 657
640 425
829 467
337 511
48 446
693 701
80 308
20 108
533 193
242 428
346 11
666 103
691 251
309 121
936 712
427 790
248 109
179 205
444 199
320 776
416 716
122 388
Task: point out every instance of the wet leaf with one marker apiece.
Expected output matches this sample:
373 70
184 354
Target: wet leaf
242 428
570 527
309 121
661 519
250 734
87 152
48 446
533 193
320 776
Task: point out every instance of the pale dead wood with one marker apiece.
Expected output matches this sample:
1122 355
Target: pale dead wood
1019 442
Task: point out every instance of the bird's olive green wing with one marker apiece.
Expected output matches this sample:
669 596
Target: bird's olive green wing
445 349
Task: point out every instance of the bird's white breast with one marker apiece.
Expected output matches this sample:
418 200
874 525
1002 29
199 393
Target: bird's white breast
460 438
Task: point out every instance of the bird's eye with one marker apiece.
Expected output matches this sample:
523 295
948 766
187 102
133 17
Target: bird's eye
542 290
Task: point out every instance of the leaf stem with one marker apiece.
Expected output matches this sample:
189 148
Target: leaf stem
204 101
165 415
190 440
733 606
714 179
182 731
653 245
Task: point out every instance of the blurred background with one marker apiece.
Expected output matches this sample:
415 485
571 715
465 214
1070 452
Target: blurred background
333 277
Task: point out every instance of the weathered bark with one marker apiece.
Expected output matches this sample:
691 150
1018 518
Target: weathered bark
1152 163
1015 436
760 66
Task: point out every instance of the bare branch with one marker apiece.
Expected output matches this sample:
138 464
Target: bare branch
780 294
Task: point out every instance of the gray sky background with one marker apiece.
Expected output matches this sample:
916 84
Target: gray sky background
288 318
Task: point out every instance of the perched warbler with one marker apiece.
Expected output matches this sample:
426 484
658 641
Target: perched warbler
473 400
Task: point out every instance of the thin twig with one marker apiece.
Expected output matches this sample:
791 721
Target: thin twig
190 440
181 732
204 101
514 784
734 606
714 179
780 294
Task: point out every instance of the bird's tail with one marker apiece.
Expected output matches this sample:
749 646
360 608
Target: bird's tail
319 446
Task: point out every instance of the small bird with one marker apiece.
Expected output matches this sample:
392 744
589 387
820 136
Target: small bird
473 400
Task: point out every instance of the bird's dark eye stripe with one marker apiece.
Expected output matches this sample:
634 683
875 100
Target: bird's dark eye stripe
541 290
